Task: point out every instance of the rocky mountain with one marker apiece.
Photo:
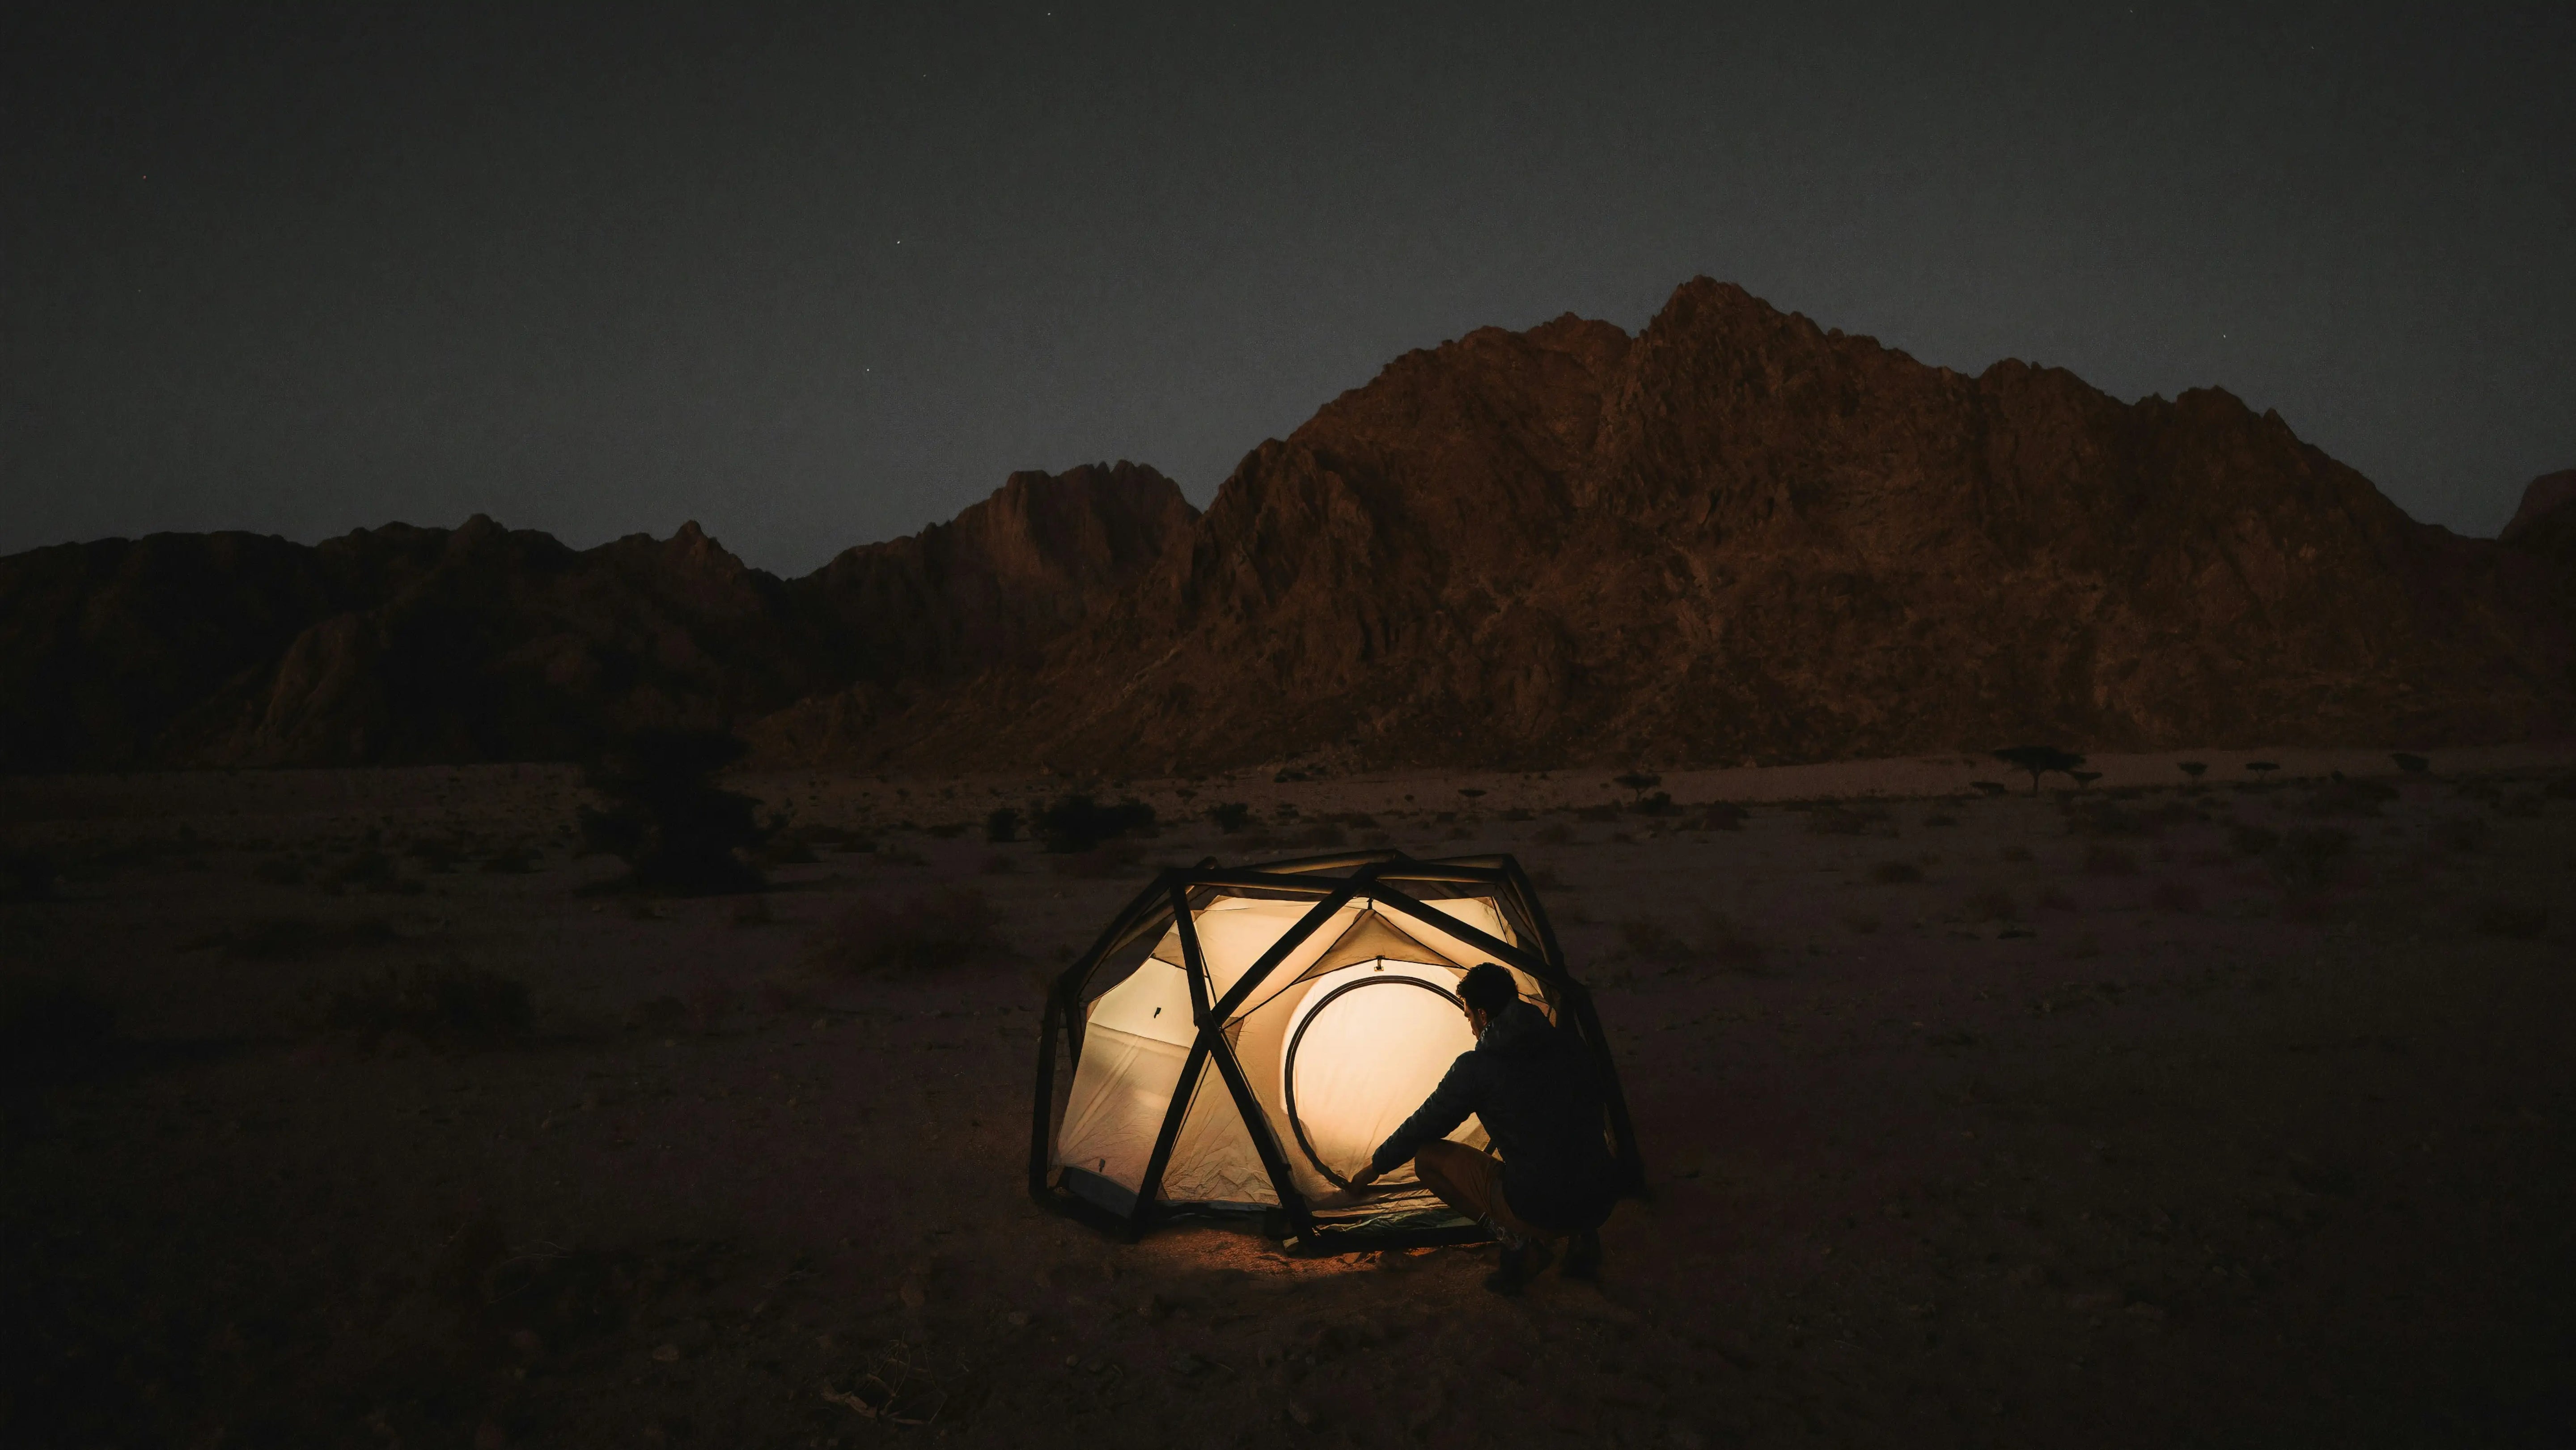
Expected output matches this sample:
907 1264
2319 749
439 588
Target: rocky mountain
1734 536
2545 525
1739 536
404 644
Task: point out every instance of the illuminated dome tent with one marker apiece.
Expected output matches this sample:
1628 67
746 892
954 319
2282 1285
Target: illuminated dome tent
1240 1041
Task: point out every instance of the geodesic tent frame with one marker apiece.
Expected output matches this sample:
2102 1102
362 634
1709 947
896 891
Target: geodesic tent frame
1388 883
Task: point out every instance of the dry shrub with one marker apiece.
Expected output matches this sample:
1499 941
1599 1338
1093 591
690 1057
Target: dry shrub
1847 821
946 926
1721 816
2251 840
2172 895
781 995
1728 945
1114 858
1895 873
287 938
367 869
2459 834
447 1005
2104 860
1650 940
1988 903
2518 920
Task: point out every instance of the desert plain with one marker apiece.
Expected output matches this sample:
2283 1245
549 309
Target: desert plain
357 1107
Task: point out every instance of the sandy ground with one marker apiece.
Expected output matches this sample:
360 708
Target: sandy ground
2141 1115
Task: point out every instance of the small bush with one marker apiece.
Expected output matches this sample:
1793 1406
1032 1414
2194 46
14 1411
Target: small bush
1845 821
1727 945
2251 840
2459 834
1649 940
1988 903
285 938
2518 920
447 1005
367 869
1114 859
946 926
2108 860
2411 764
1002 826
2175 896
1895 873
1722 816
1077 823
279 871
1658 804
1230 818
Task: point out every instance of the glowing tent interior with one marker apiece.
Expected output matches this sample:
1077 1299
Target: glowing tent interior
1239 1041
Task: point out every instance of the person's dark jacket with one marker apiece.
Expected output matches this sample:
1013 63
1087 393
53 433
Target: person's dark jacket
1534 1088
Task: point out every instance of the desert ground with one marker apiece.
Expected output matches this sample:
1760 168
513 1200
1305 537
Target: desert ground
353 1108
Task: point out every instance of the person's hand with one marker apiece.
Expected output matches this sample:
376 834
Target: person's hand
1363 1178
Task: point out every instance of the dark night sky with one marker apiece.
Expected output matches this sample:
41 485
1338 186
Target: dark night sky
826 276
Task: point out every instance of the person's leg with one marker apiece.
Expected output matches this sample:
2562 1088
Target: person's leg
1472 1183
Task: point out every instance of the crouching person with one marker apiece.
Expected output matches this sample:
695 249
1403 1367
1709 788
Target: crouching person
1551 1176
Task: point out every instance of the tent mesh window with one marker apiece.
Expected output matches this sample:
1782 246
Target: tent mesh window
1238 1040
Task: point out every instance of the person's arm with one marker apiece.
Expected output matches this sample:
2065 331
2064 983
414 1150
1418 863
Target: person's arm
1440 1114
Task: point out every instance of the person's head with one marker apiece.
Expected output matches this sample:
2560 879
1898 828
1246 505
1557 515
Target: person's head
1487 989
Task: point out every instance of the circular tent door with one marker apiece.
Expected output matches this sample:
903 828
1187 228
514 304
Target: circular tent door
1364 1055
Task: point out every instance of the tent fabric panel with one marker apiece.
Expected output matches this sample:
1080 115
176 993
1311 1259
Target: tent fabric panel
1370 937
1234 933
1120 1093
1213 1160
1154 1002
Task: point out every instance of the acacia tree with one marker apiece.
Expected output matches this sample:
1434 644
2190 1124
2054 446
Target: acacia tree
2040 760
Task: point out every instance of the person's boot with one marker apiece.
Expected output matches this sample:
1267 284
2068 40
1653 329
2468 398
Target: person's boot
1522 1262
1583 1256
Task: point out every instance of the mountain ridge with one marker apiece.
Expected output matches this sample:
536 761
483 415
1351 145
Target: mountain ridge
1733 536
